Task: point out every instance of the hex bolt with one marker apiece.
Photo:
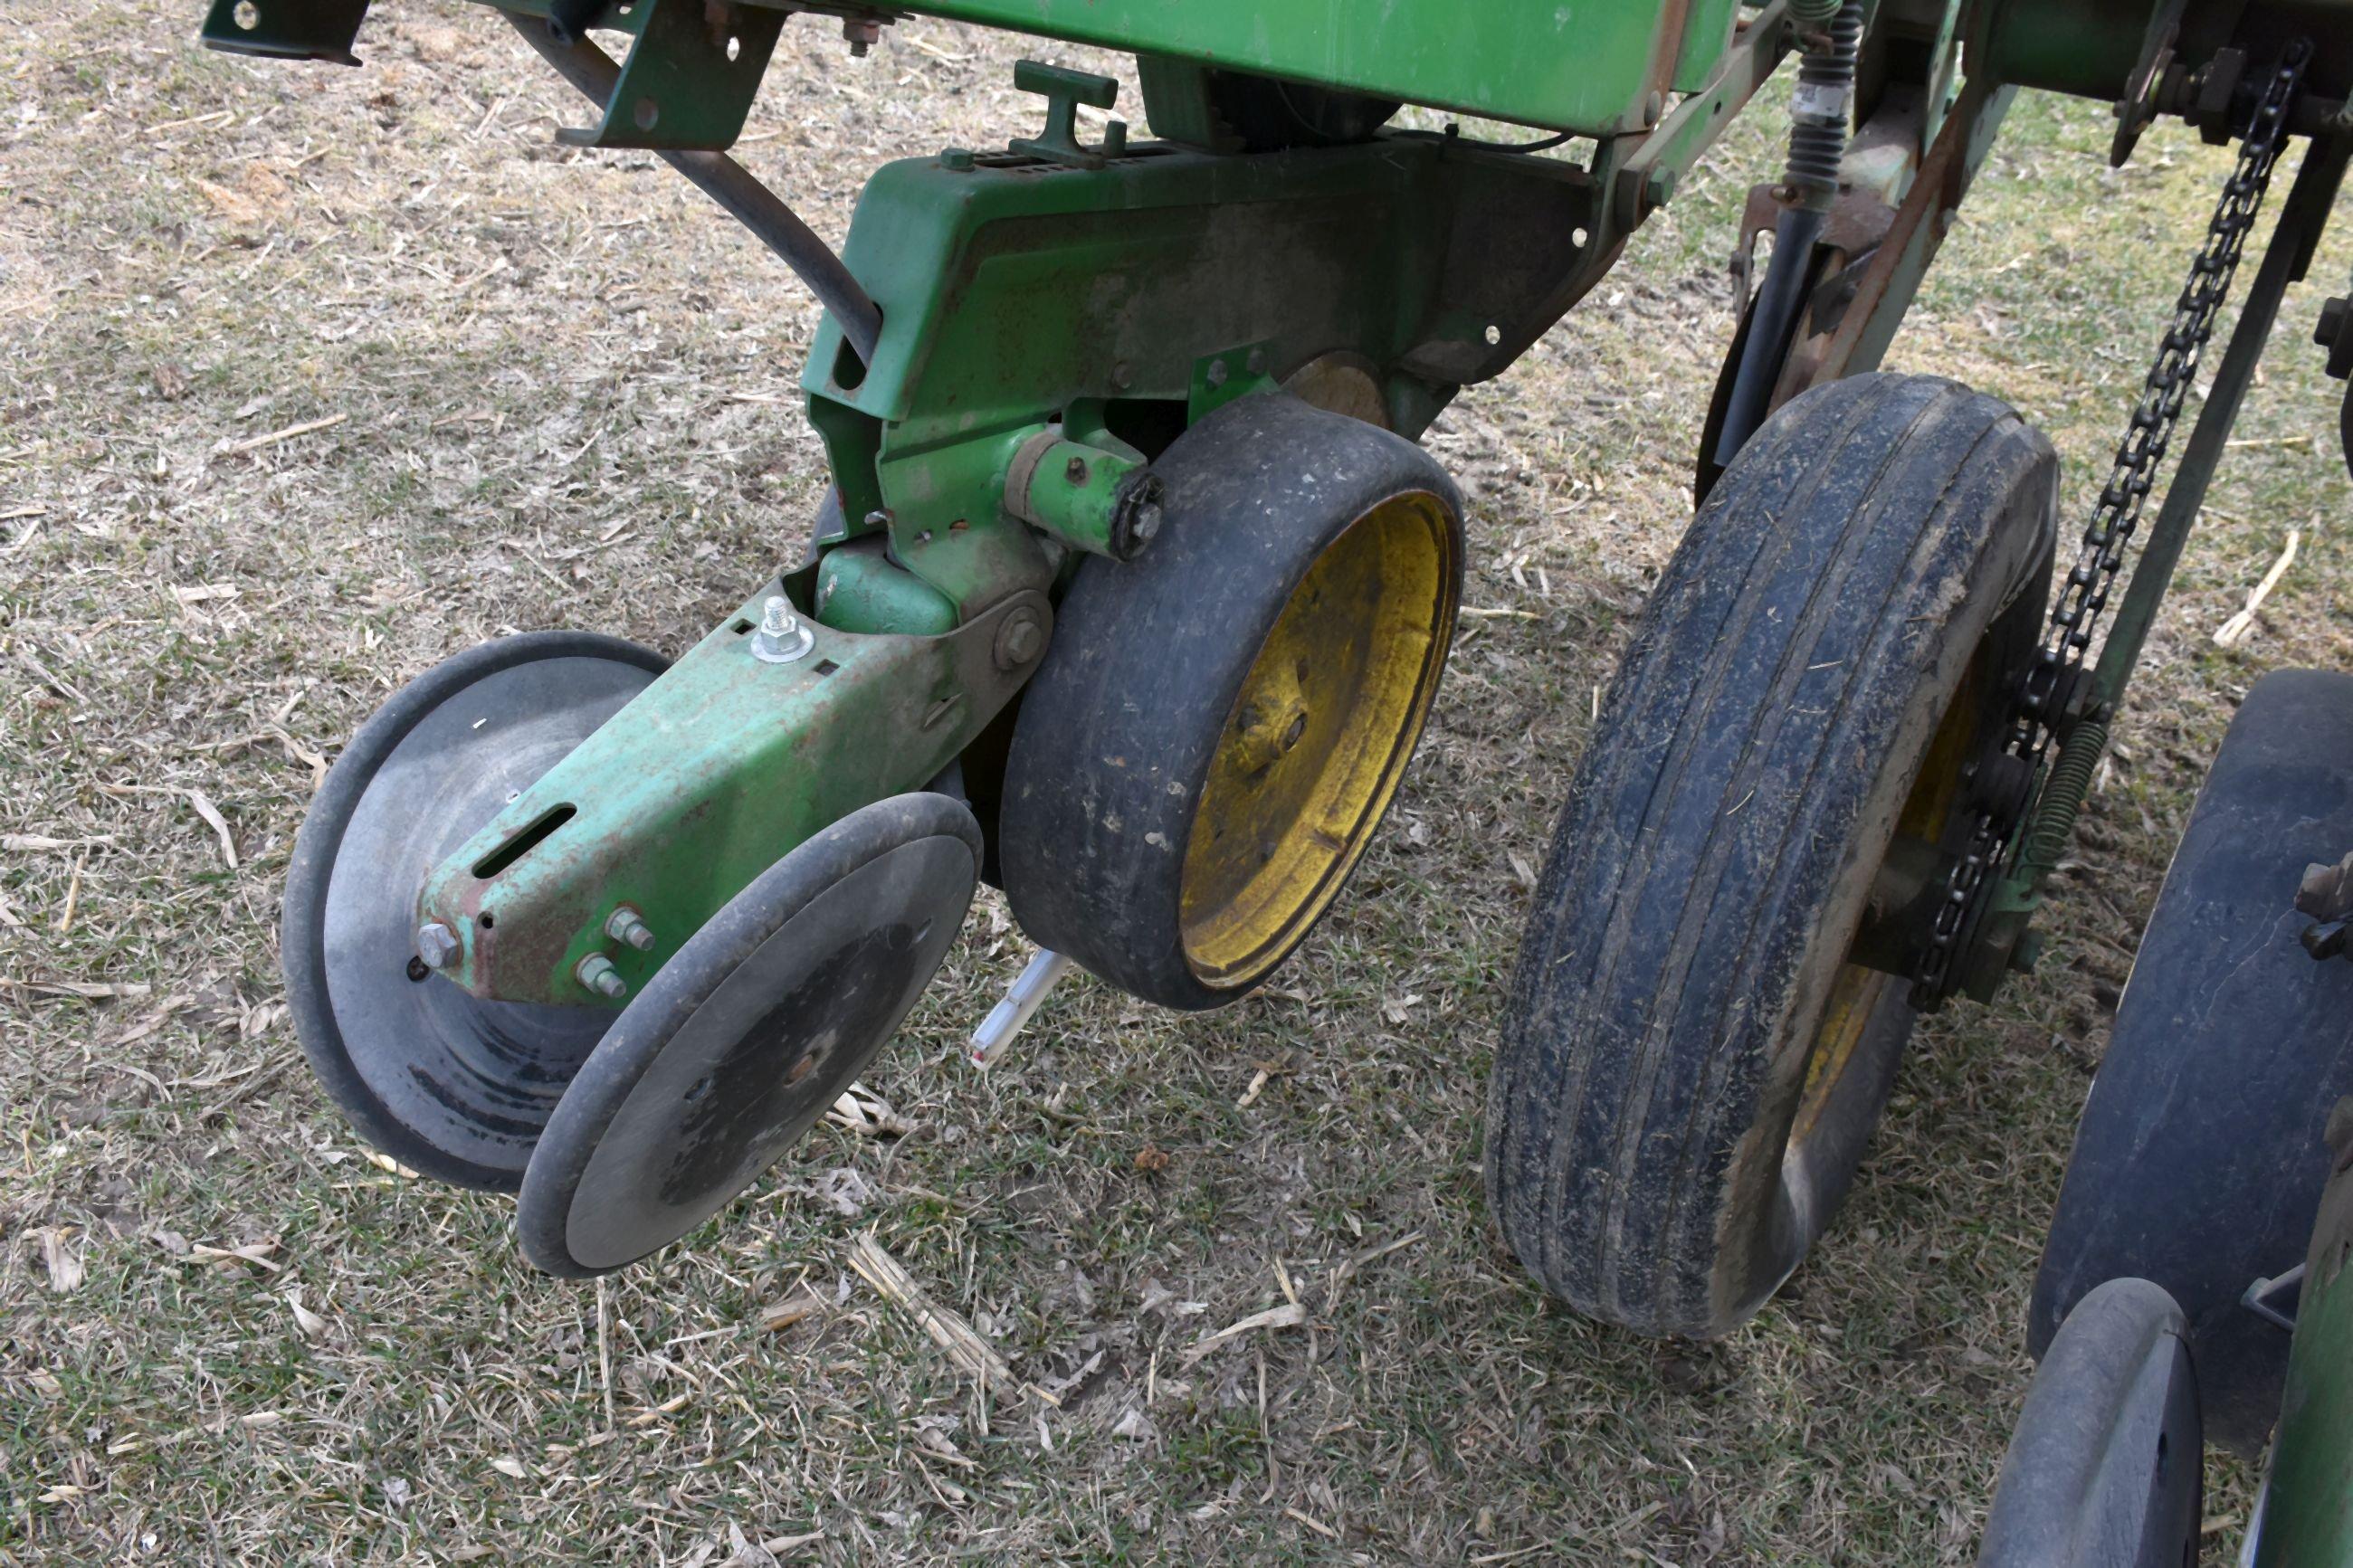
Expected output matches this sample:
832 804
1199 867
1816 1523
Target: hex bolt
624 925
956 158
781 638
437 945
1020 639
863 34
1146 523
1075 471
1216 376
597 972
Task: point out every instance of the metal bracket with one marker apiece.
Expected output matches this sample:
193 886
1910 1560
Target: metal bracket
1220 378
714 772
690 77
2273 1301
286 29
1064 90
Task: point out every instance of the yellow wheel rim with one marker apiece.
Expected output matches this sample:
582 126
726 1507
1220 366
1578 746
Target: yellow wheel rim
1318 737
1856 991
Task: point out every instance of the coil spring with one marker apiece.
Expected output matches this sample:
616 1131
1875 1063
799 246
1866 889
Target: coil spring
1817 142
2053 827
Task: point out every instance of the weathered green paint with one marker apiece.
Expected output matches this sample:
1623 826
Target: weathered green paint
2081 46
1017 289
2307 1515
1707 34
690 77
287 29
1587 67
1063 91
704 781
1072 491
1644 173
1220 378
859 590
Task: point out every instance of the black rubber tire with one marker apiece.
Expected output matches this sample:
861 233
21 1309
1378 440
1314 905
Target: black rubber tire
1878 538
2200 1158
601 1180
2106 1468
302 944
1119 727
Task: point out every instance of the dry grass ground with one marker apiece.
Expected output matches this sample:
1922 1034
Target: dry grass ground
554 389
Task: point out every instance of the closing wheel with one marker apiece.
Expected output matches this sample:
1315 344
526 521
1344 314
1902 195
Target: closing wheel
448 1084
743 1039
2200 1159
2106 1468
1695 1051
1221 723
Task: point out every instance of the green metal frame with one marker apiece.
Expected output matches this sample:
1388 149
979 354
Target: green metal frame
2307 1512
706 779
1054 312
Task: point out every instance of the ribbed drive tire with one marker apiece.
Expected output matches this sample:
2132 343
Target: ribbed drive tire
1878 539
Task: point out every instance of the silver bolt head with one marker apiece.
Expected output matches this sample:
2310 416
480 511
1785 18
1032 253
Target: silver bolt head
597 972
626 925
1146 523
437 945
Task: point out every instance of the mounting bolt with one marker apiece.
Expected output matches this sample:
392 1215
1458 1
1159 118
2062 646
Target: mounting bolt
1660 188
956 158
1217 373
863 34
1075 471
623 925
781 638
597 973
437 945
1019 640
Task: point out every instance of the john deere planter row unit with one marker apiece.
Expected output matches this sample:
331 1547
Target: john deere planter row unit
1133 592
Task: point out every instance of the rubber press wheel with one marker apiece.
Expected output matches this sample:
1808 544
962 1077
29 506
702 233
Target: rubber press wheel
452 1085
1221 723
730 1053
2106 1468
2200 1158
1692 1055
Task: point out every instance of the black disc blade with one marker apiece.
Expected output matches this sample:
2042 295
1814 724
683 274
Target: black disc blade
452 1085
734 1050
